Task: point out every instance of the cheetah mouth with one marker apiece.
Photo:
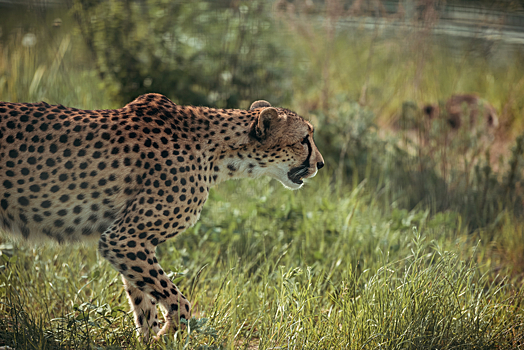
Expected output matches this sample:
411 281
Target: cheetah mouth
296 175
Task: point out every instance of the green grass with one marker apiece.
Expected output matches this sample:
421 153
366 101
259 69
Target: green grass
340 264
320 268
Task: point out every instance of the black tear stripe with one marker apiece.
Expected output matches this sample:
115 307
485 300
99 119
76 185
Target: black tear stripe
310 151
302 169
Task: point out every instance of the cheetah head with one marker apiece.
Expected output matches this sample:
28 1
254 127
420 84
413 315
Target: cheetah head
284 144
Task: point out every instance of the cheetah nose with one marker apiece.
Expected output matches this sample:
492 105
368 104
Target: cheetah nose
320 165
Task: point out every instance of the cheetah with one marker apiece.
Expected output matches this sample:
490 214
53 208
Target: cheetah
133 177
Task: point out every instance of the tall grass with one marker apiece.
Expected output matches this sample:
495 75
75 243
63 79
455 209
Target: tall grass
355 260
36 67
383 68
277 269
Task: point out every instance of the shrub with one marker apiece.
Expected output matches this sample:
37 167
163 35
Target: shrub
214 53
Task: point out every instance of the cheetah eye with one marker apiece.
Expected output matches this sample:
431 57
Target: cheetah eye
304 140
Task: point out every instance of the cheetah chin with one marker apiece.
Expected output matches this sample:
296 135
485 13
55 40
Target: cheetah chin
136 176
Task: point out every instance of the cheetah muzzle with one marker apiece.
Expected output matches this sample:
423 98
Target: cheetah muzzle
133 177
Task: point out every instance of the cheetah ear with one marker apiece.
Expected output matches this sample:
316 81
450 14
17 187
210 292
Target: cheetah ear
259 104
262 124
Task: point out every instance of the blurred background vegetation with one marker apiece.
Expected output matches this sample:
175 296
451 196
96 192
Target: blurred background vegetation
364 73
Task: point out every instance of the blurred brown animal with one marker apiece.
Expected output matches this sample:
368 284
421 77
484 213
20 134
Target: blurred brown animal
463 110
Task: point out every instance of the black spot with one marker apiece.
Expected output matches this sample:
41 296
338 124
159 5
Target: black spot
23 201
148 280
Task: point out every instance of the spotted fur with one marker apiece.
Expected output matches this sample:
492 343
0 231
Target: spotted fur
133 177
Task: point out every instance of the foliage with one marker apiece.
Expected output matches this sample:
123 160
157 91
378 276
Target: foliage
411 172
217 53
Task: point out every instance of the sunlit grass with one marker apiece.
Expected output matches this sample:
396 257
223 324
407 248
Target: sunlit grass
277 269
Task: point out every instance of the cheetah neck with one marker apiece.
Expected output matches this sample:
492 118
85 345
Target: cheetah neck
220 142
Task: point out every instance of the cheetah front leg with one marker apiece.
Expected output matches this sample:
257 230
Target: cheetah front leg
134 257
144 310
